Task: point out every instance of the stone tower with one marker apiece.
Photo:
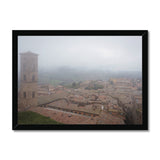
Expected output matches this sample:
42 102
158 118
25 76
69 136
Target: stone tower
28 80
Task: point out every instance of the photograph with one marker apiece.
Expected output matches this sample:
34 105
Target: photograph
89 80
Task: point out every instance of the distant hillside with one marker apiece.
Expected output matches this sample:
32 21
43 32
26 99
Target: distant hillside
69 75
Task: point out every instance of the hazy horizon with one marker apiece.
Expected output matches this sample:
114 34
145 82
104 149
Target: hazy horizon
106 53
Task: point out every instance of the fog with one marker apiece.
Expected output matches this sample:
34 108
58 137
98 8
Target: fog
105 53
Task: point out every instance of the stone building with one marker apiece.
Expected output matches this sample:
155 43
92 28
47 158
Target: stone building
28 80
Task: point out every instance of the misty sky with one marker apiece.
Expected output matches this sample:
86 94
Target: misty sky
118 53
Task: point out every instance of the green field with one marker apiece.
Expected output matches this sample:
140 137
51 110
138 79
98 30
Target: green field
29 117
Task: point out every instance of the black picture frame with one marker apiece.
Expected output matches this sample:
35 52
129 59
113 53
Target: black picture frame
16 33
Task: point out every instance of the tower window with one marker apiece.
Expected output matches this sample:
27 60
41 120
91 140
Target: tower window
24 77
33 78
33 94
33 67
24 67
24 94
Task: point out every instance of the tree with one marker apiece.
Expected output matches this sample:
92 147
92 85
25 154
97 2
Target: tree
130 113
73 84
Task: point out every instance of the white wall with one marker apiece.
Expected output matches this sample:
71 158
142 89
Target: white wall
82 14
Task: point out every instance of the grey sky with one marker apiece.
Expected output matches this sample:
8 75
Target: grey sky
90 52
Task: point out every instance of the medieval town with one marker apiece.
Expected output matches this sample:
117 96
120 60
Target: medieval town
116 101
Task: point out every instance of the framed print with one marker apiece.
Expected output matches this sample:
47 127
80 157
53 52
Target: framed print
80 80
